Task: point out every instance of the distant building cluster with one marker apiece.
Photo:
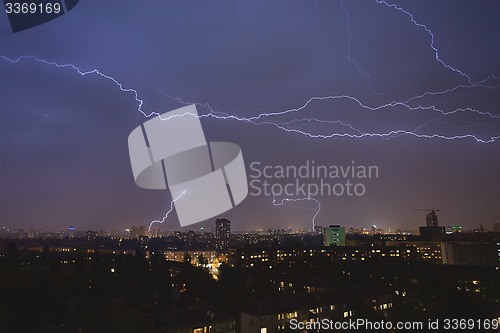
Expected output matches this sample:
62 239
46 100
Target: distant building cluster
439 245
270 247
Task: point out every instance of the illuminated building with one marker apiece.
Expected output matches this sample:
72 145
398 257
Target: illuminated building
429 251
361 253
196 258
334 235
454 229
498 251
222 233
318 230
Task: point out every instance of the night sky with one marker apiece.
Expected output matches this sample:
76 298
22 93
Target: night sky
63 137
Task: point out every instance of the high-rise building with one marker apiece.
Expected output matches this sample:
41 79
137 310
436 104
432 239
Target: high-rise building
71 232
222 233
432 227
431 219
334 235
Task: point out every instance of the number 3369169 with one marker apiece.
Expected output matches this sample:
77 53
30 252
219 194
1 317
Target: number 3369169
32 8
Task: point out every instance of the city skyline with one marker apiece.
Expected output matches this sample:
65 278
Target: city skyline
72 231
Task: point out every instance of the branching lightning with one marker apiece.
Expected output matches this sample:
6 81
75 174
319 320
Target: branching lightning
269 118
83 73
167 213
300 199
264 119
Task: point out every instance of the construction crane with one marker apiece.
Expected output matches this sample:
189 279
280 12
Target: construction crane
427 209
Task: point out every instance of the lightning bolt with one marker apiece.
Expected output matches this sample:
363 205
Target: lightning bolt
261 119
83 73
300 199
167 213
349 51
431 34
265 118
